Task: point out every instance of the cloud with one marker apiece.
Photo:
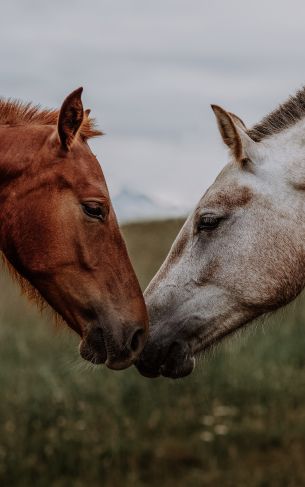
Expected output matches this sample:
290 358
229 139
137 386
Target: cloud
150 71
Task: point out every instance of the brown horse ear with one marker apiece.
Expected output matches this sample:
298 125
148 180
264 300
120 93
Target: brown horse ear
70 118
228 131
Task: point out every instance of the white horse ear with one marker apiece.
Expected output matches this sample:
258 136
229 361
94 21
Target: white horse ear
234 135
237 121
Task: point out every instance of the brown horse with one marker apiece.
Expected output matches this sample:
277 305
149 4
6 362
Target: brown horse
59 232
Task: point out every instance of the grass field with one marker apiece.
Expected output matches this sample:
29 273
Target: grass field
239 420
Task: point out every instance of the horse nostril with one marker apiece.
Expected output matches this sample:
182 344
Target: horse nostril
137 340
126 351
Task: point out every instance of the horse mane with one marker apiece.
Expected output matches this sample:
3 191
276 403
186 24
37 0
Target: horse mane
283 117
30 291
17 112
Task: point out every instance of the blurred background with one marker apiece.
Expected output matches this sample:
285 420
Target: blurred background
150 71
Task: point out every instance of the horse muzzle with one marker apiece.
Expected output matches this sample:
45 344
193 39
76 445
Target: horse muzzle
101 346
175 361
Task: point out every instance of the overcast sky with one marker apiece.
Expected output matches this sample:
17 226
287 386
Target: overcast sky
150 70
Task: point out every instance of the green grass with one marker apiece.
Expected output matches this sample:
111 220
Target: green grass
239 420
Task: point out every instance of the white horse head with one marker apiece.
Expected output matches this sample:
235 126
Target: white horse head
241 253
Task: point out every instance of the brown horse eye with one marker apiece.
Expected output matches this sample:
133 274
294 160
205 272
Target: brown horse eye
208 222
95 210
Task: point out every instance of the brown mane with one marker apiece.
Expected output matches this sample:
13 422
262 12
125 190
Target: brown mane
16 112
287 114
30 291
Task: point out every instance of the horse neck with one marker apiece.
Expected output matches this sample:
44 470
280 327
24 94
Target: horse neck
286 149
15 157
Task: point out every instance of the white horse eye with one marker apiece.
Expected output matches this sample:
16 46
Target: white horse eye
208 222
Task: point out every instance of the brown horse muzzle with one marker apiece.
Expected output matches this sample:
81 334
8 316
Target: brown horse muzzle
101 345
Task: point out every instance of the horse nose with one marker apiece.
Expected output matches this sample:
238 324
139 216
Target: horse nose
102 345
130 349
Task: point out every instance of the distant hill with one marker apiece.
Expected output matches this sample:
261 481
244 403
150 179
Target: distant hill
132 206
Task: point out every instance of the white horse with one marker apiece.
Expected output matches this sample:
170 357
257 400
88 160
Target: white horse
241 253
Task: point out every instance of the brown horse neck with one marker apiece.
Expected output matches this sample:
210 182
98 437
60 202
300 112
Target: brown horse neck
18 147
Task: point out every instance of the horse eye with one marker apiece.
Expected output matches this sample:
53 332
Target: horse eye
208 222
95 210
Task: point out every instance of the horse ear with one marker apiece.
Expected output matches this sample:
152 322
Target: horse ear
228 131
238 121
70 118
234 135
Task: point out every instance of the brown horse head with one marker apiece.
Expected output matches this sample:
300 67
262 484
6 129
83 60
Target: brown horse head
58 229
